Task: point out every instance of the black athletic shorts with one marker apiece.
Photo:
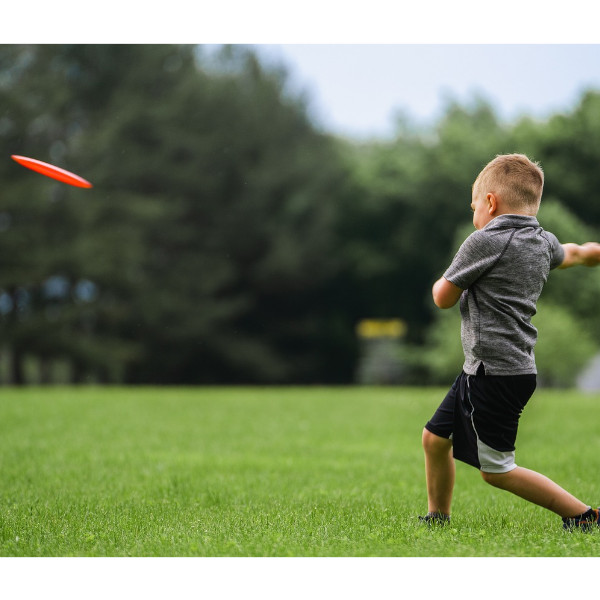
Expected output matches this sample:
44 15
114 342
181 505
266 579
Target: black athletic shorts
480 414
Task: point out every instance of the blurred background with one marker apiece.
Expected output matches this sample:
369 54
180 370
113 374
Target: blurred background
248 225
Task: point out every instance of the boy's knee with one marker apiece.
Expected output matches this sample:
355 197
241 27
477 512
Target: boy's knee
434 443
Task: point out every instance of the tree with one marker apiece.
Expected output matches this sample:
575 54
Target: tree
568 146
209 237
415 192
577 289
227 239
565 346
42 268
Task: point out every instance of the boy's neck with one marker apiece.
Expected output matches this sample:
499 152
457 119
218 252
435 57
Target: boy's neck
511 211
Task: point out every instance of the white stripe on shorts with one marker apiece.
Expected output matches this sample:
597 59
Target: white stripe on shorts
494 461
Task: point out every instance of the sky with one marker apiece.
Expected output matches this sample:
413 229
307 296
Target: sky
355 90
362 62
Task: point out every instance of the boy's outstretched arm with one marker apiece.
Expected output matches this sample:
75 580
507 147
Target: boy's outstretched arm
445 293
587 255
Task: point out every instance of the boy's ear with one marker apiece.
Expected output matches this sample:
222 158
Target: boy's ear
492 203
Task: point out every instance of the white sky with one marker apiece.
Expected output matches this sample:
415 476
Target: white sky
361 61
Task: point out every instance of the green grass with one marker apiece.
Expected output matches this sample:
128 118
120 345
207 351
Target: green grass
269 472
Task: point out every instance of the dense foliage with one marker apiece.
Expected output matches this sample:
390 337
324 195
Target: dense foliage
227 239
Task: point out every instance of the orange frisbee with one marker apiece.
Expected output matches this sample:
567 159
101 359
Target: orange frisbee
52 171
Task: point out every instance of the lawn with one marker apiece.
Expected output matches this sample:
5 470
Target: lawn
252 472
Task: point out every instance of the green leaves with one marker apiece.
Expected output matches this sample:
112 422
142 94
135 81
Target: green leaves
228 239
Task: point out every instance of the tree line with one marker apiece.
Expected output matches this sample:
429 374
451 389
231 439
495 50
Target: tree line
227 239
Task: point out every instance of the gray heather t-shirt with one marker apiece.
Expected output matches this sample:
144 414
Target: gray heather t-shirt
502 268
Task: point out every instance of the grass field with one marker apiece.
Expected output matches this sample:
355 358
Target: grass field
269 472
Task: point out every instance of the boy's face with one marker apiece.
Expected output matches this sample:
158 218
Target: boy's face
481 206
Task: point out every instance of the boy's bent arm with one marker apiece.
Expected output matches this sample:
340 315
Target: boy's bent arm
445 293
587 255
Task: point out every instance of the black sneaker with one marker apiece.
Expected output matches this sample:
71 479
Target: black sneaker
435 518
586 522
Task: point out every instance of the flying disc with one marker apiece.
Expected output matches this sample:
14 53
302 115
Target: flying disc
52 171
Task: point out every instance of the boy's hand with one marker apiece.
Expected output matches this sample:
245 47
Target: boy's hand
587 255
445 293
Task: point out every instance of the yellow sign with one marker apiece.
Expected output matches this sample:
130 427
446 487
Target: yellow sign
379 328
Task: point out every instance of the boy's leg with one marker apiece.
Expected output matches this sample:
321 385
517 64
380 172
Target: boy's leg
439 472
497 403
537 488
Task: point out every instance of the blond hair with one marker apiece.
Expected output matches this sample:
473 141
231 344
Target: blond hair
515 179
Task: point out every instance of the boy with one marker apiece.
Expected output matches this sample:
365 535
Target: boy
498 275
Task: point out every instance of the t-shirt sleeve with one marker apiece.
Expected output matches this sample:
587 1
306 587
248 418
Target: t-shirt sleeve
557 252
476 255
